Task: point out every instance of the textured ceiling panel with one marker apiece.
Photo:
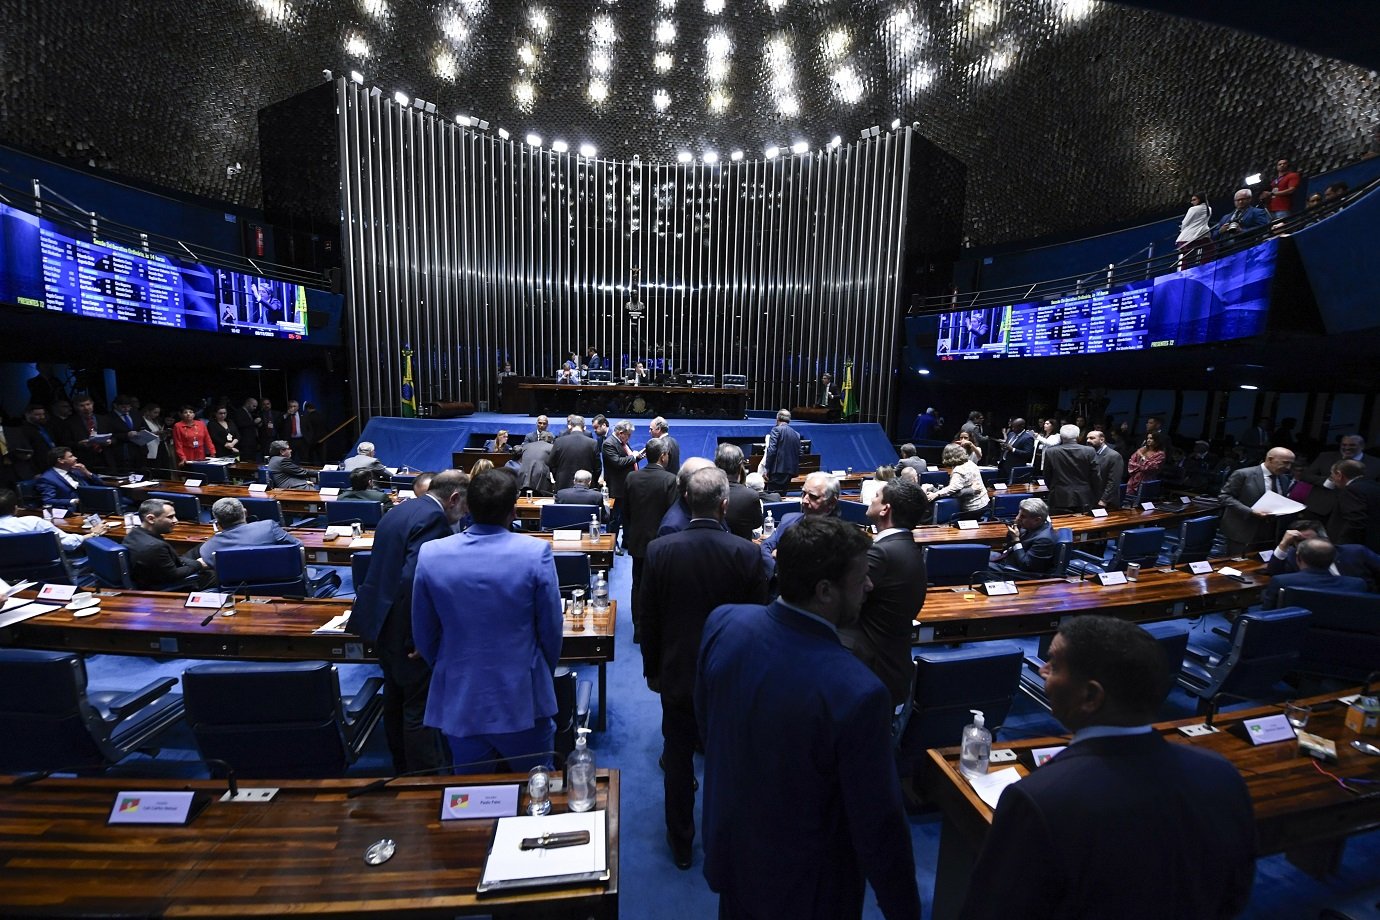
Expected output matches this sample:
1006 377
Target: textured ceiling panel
1067 113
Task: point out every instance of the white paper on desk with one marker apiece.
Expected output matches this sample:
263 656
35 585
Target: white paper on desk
142 485
25 611
6 589
1276 504
362 543
341 530
567 536
334 626
989 785
508 863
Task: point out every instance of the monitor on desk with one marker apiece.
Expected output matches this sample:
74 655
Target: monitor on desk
735 381
601 376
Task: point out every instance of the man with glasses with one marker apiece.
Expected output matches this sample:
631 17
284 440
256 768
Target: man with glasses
820 497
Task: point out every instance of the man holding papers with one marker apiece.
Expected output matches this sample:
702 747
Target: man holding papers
1246 519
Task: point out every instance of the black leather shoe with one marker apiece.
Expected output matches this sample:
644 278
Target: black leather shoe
681 855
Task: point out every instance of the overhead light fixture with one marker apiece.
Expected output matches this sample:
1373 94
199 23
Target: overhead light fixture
327 76
588 151
662 62
800 147
430 108
375 92
534 140
401 98
923 372
462 120
736 155
684 156
1249 386
356 76
710 157
256 367
772 152
661 99
503 133
896 123
835 141
419 103
483 125
1253 179
559 146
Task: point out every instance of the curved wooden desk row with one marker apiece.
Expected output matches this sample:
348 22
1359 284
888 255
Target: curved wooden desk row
299 501
1298 809
301 853
1085 527
965 615
185 537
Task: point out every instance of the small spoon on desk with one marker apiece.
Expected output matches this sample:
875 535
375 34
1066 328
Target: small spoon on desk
1365 747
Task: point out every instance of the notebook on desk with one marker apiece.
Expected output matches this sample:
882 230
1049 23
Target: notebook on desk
509 867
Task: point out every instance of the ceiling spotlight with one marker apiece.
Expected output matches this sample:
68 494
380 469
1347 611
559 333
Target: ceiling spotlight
895 123
375 92
718 45
527 55
710 157
539 20
503 133
713 7
463 120
1253 179
256 367
598 90
525 92
559 146
684 156
588 151
483 125
835 141
923 372
401 98
1249 386
603 32
800 147
430 108
357 77
327 76
665 32
736 155
356 46
662 62
534 140
772 152
661 99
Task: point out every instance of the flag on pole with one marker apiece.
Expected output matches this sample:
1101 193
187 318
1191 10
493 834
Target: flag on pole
850 402
409 394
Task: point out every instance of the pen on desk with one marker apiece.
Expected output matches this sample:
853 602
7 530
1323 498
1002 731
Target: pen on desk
552 841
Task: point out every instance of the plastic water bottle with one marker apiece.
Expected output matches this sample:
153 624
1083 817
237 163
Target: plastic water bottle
581 789
975 755
768 525
594 528
601 592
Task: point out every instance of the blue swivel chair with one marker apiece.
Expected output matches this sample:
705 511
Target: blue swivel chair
359 567
780 509
52 722
28 494
98 500
1260 648
945 510
366 513
1172 636
951 681
334 479
1193 542
1020 474
937 478
990 476
207 472
186 507
36 555
556 517
1063 552
279 718
573 571
955 563
1342 641
262 509
1005 507
1139 544
108 563
853 513
272 571
1150 491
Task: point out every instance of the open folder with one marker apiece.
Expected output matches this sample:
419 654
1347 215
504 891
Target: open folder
509 866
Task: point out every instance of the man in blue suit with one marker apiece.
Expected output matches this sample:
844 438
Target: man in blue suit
1316 558
781 461
486 614
57 485
230 517
1121 823
383 615
1030 545
801 799
1352 558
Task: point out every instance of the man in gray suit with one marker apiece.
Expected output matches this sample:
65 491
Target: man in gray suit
1110 468
1241 526
1070 472
230 516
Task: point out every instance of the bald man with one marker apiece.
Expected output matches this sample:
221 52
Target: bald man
1243 527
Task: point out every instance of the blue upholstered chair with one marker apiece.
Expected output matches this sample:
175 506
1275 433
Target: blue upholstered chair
1004 507
780 509
853 512
556 517
108 562
1193 542
1247 663
98 500
573 571
186 507
35 555
945 510
951 681
1172 636
353 511
1342 640
955 563
262 509
334 479
207 472
274 571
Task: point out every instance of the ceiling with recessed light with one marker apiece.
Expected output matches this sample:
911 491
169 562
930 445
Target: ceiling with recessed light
1068 114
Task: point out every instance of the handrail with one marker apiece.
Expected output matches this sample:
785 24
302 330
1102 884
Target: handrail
1123 272
336 430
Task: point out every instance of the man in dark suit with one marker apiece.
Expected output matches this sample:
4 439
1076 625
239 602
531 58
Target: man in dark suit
543 424
909 460
1241 526
896 568
1357 518
686 576
1070 473
1322 500
57 485
827 398
1121 823
1352 558
574 450
1030 545
283 471
801 796
30 443
382 614
235 531
81 431
1018 447
534 459
648 492
669 445
295 429
1316 559
270 423
781 460
580 492
124 423
1110 469
744 513
153 565
619 460
245 422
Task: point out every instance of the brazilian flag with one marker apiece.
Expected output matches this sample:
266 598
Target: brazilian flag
850 399
409 392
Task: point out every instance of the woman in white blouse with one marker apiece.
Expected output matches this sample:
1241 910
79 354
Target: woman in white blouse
965 483
1195 231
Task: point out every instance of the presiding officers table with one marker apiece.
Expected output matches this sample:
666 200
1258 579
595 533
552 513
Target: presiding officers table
1299 810
300 854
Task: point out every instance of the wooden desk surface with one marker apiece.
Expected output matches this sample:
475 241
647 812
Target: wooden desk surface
964 615
1085 527
301 853
305 500
266 629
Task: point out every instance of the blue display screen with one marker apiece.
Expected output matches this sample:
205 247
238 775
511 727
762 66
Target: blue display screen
45 267
1228 298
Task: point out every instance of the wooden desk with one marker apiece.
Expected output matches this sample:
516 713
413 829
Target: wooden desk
1298 810
464 460
299 854
635 402
963 615
263 629
301 501
1086 528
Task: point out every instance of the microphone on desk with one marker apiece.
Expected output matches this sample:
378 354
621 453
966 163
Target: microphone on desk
229 599
384 781
28 779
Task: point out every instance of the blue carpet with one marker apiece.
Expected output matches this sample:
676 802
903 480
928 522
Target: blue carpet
651 885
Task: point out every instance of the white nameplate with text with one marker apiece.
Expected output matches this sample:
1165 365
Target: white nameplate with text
1099 512
461 802
967 525
1112 578
151 808
192 484
257 488
1200 568
57 593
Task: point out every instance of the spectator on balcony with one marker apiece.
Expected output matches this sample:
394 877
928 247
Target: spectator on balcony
1280 197
1195 232
1245 218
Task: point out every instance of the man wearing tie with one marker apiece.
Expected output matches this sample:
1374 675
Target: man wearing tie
619 460
294 430
127 455
1241 526
1019 447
